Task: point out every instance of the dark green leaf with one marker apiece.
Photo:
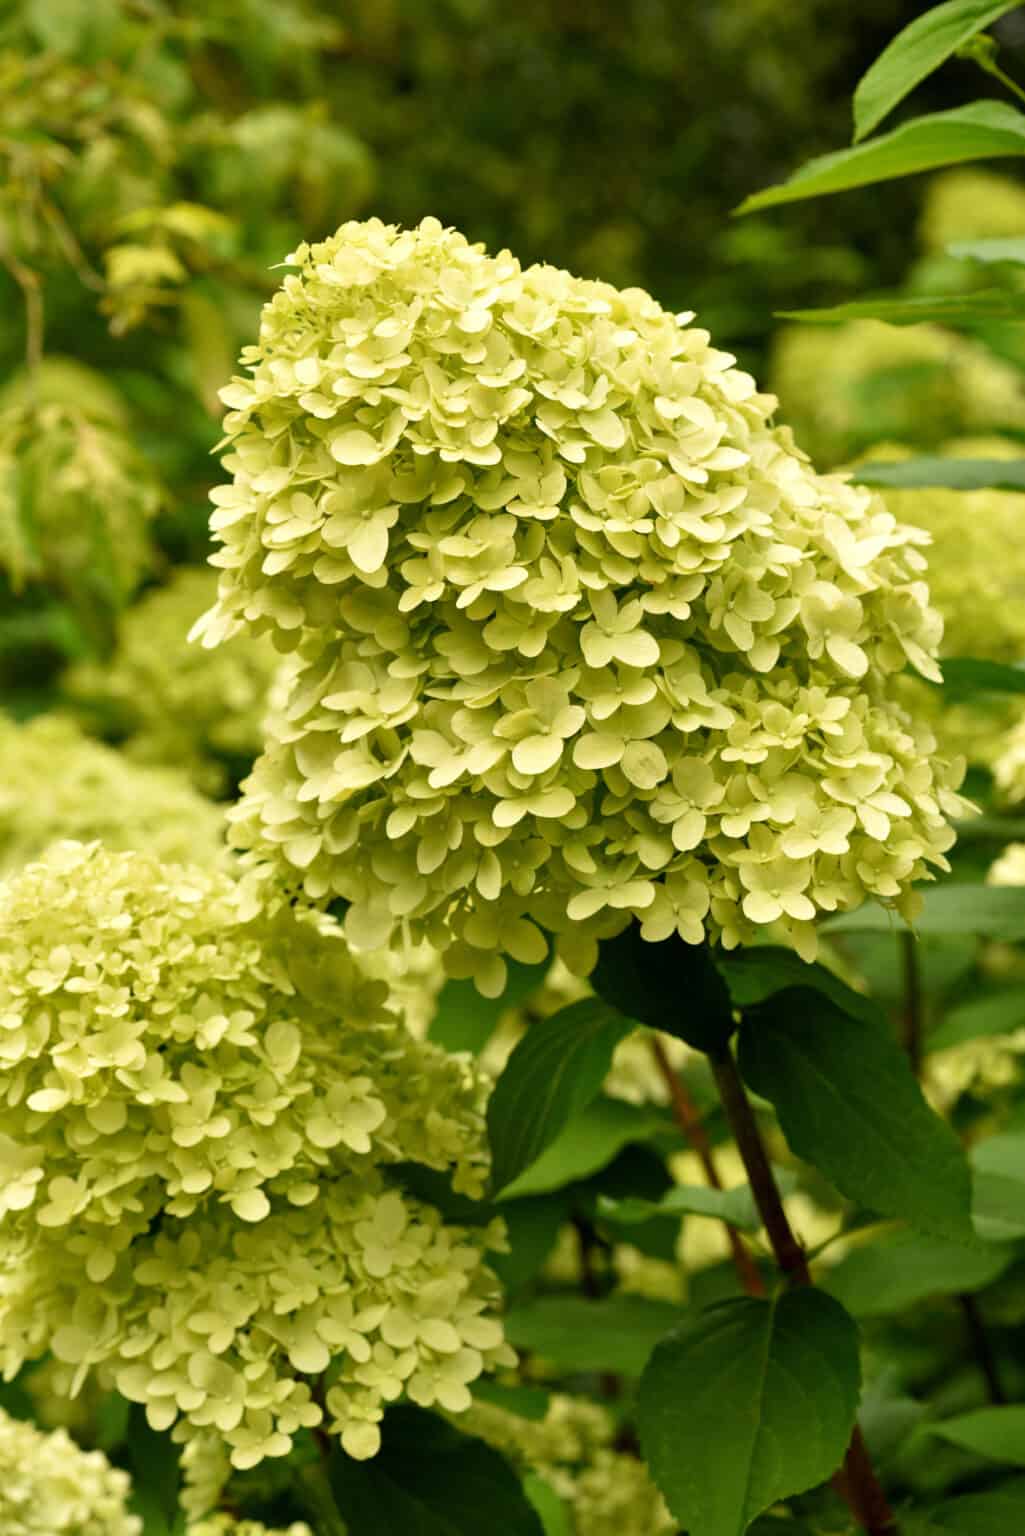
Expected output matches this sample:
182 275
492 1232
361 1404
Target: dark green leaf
998 1433
532 1228
897 1269
667 985
998 1205
465 1021
153 1462
922 46
997 1512
733 1205
941 308
1011 249
590 1141
754 974
555 1071
748 1403
995 1013
429 1479
887 1415
616 1333
990 911
977 131
526 1402
968 675
849 1104
954 474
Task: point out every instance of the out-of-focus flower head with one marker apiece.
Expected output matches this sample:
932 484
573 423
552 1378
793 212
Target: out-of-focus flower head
204 1097
970 203
57 783
176 703
50 1487
579 636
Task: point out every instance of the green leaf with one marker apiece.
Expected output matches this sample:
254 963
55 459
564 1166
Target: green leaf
940 308
733 1205
989 911
997 1512
915 52
748 1403
998 1205
754 974
530 1403
153 1463
616 1333
849 1104
555 1071
898 1269
965 676
1010 248
667 985
465 1021
532 1227
995 1013
590 1141
429 1479
555 1517
954 474
998 1433
981 130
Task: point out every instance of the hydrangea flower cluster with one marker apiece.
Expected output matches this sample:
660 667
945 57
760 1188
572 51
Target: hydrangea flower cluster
228 1525
50 1487
203 1095
970 203
1009 771
578 635
176 704
844 388
606 1492
57 783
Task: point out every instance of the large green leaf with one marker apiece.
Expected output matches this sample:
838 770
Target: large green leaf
898 309
748 1403
998 1203
915 52
429 1479
754 974
954 474
981 130
465 1021
589 1142
998 1433
894 1270
556 1069
990 911
965 676
994 1013
849 1103
667 985
615 1333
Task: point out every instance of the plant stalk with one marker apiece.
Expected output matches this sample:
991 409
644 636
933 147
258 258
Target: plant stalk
856 1482
688 1118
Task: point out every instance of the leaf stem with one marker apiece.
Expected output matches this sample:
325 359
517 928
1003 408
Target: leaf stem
913 1017
856 1482
688 1118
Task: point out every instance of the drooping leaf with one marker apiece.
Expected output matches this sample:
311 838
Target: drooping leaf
998 1433
733 1205
556 1069
465 1021
615 1333
748 1403
922 46
994 1013
894 1270
1010 248
591 1140
998 1202
954 474
849 1104
978 131
667 985
990 911
430 1479
754 974
898 309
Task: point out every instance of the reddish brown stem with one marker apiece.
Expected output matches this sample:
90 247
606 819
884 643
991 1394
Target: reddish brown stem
856 1482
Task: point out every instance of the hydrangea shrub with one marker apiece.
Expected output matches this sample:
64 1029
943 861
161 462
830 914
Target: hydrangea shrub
579 636
204 1095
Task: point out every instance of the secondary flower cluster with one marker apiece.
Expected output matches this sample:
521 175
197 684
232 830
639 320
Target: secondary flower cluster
203 1096
228 1525
50 1487
57 783
578 635
175 703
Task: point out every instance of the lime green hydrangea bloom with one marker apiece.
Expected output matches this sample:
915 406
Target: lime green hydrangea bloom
578 635
1009 771
51 1487
57 783
76 497
606 1492
176 703
970 203
228 1525
204 1094
843 388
